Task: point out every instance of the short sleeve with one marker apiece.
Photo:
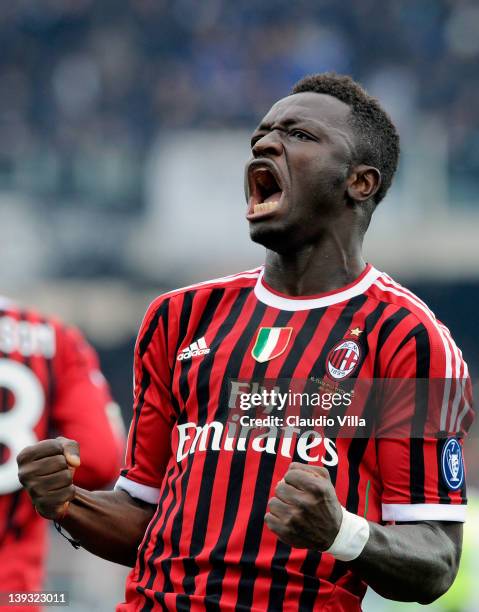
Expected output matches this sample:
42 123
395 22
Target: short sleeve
149 438
83 409
429 403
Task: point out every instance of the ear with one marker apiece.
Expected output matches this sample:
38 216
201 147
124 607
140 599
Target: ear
363 183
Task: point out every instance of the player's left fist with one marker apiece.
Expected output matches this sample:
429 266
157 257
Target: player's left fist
305 511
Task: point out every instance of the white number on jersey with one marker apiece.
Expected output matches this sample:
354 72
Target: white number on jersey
16 425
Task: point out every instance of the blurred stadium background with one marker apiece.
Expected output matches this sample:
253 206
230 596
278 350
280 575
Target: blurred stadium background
124 127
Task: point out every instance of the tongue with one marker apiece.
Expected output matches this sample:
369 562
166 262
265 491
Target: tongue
274 197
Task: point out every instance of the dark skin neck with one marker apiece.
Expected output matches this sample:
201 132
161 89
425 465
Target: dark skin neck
333 262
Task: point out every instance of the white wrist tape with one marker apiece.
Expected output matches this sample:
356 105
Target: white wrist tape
352 537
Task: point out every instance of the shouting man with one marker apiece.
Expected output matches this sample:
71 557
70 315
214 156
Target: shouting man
210 522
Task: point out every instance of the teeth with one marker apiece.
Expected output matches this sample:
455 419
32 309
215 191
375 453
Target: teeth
263 207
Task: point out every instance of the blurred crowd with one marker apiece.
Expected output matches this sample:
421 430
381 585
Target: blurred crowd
87 85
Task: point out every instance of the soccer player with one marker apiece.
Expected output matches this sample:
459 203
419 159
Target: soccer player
212 520
49 383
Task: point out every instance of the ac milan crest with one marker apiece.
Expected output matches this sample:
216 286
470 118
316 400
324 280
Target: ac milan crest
343 359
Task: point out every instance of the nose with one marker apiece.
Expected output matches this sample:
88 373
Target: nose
269 144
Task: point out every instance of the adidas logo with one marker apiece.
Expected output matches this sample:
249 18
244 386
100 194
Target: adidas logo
194 350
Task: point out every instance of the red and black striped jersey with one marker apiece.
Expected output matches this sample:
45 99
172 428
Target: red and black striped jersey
207 545
50 384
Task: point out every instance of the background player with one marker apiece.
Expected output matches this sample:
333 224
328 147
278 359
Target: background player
323 158
50 384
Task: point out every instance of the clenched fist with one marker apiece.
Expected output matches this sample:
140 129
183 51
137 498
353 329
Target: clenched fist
46 471
305 511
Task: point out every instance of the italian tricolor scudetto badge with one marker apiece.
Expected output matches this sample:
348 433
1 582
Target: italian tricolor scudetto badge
271 342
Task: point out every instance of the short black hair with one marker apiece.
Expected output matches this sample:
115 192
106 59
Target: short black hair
377 137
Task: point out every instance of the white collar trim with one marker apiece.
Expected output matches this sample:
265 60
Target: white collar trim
294 304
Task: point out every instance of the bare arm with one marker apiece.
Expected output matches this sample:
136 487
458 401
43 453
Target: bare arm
110 524
405 562
411 561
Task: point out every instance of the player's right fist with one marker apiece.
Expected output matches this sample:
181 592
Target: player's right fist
46 471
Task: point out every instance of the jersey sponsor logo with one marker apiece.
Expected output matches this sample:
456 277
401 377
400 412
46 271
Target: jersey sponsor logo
271 342
452 464
310 446
197 348
343 359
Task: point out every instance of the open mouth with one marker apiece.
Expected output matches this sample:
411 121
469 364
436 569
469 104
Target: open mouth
265 191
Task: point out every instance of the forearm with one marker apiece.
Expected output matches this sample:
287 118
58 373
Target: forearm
409 562
406 562
110 524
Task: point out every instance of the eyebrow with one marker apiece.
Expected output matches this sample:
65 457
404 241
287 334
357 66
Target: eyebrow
289 121
315 125
267 124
